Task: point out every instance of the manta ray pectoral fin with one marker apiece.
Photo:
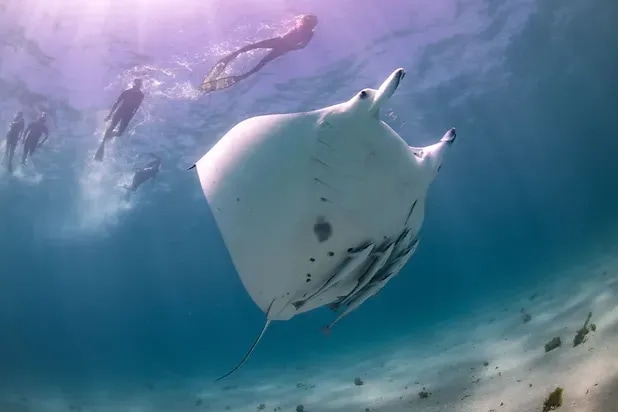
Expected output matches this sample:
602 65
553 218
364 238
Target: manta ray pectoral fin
252 348
449 136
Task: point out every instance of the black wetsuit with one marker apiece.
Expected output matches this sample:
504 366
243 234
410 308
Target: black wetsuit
31 137
12 138
128 103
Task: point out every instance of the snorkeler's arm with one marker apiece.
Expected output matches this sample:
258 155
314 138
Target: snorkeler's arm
113 109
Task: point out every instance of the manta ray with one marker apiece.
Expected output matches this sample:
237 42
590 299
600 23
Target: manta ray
320 208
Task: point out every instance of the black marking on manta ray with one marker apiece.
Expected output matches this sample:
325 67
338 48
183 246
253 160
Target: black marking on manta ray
321 162
324 183
327 145
323 229
410 213
192 167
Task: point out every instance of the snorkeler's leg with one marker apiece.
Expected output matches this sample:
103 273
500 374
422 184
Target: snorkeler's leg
219 67
10 152
269 57
109 133
25 152
124 122
273 43
224 82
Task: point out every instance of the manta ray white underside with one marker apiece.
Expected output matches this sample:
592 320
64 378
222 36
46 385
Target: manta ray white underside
321 207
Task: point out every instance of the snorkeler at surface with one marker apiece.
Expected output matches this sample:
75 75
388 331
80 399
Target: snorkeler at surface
32 134
295 39
142 175
12 138
121 114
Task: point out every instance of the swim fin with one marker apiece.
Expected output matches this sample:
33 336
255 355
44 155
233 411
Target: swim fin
215 72
100 152
219 84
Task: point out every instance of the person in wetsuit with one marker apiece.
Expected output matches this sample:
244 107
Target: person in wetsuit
12 138
142 175
121 114
32 134
295 39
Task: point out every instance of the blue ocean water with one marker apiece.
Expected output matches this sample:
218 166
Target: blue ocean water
99 292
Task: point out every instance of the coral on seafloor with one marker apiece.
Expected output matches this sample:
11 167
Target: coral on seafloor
553 401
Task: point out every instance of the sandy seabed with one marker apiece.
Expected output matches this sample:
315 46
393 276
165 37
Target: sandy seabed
491 360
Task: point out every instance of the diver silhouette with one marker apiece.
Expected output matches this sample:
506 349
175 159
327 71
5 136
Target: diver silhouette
295 39
32 134
121 114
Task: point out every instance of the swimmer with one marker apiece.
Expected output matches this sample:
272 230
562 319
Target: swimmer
149 171
295 39
32 134
12 138
121 114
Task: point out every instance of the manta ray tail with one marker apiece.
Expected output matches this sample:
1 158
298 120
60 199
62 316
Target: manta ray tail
249 352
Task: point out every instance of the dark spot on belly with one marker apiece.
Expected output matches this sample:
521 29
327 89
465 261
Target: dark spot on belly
331 253
322 229
311 259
